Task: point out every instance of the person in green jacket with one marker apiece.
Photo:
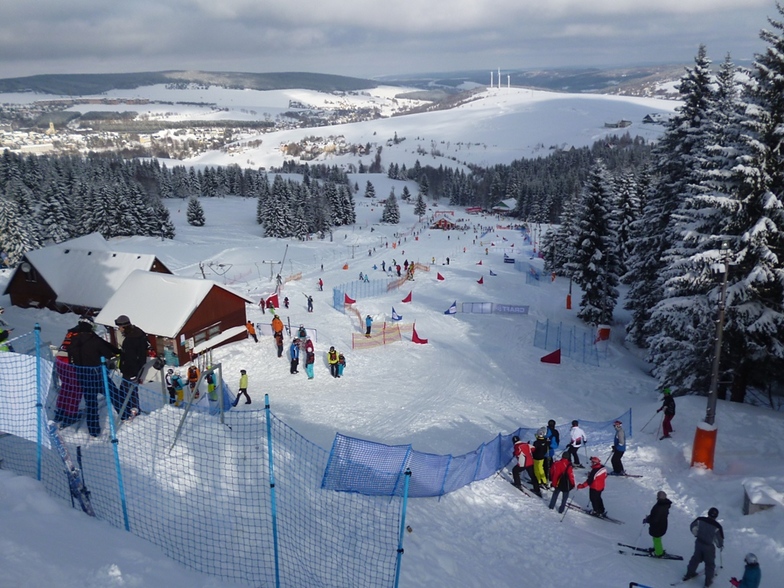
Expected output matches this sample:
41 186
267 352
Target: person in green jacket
243 388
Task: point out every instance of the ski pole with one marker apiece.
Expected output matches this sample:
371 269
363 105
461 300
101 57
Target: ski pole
637 542
649 421
568 504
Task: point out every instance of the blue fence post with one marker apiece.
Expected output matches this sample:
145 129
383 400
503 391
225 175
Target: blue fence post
273 503
402 528
115 449
39 405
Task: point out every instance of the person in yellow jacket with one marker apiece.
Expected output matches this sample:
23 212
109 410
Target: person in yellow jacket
333 357
243 388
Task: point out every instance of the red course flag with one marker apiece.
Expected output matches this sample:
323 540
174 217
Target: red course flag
439 276
416 338
479 262
407 298
554 357
348 300
481 280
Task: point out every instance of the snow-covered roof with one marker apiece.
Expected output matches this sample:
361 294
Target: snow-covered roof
159 304
508 204
217 340
83 272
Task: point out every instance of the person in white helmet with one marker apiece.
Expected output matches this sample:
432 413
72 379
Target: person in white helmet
752 575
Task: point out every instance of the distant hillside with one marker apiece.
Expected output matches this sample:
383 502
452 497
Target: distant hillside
87 84
631 81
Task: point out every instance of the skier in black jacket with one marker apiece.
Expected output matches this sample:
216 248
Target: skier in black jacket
132 359
85 351
668 406
657 521
710 535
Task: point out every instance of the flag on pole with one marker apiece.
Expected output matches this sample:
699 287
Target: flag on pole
348 300
272 301
439 276
554 357
416 338
452 309
396 316
479 262
408 298
481 280
492 273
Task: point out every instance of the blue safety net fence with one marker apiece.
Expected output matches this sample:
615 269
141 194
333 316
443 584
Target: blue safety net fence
577 343
234 494
239 495
375 469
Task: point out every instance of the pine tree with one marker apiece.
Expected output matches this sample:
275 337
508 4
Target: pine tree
595 264
754 330
391 213
370 191
673 162
420 208
195 213
17 233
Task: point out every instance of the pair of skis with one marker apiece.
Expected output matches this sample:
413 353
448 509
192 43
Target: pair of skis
79 491
625 475
585 511
646 552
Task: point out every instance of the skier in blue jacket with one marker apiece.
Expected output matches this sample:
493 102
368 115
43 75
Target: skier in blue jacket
554 438
368 324
752 575
294 355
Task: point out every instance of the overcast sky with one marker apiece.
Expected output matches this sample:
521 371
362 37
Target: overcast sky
366 38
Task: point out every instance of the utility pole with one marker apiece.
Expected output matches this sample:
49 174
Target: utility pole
704 449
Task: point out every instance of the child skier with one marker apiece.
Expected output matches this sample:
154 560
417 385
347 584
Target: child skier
562 479
595 483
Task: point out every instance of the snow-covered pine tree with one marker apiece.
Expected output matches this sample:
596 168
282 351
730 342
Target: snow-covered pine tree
420 208
673 161
17 233
53 217
559 249
370 191
594 266
391 213
627 210
406 195
753 353
195 213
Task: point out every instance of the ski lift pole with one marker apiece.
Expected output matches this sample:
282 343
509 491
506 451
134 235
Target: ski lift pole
115 448
273 499
402 527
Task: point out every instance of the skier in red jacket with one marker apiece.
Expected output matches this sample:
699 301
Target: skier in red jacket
525 461
562 479
595 482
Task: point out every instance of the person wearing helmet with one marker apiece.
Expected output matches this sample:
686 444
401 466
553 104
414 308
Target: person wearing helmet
170 386
752 575
541 449
709 535
243 388
554 439
525 461
562 479
618 449
595 483
657 521
578 439
179 387
668 406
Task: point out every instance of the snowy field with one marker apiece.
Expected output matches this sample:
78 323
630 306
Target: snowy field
478 376
497 126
